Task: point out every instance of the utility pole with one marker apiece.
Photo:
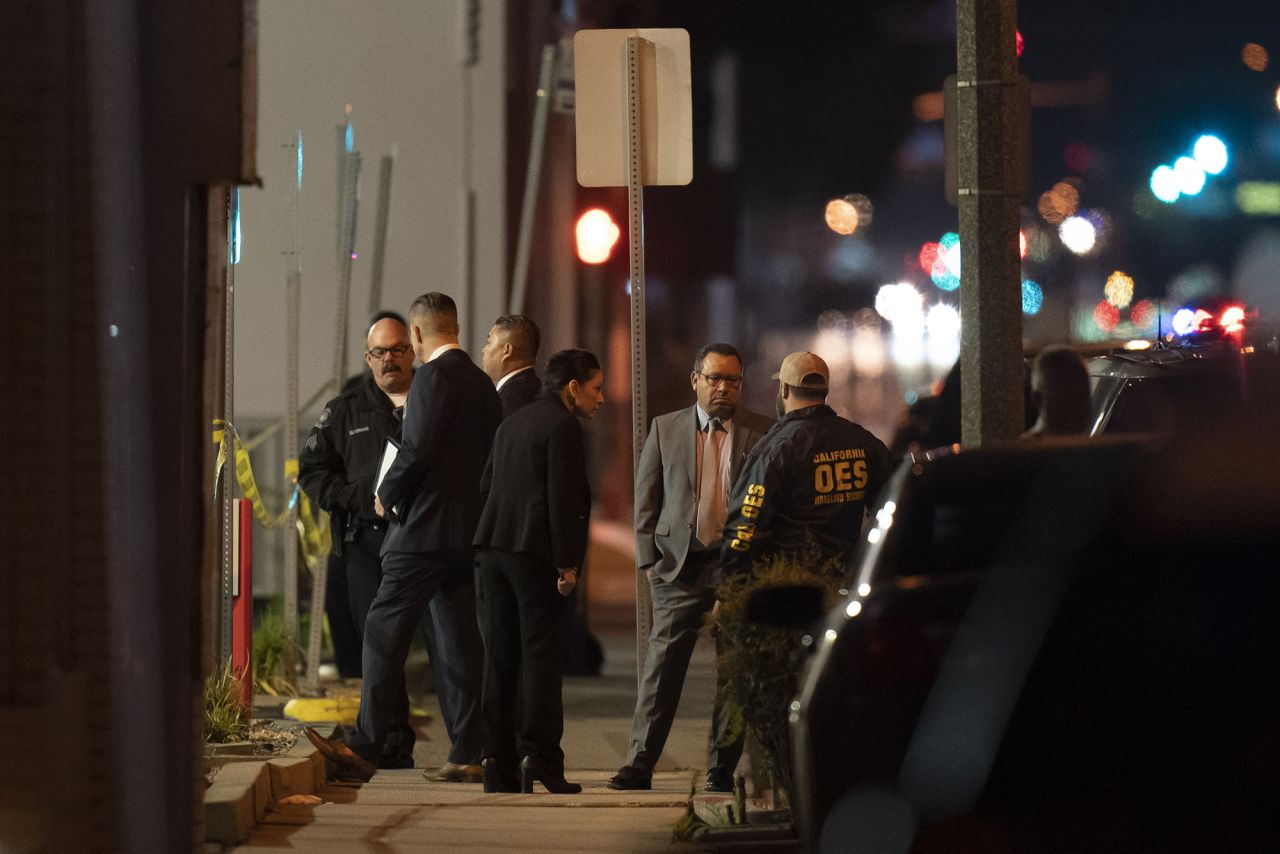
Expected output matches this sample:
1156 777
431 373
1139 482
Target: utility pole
991 127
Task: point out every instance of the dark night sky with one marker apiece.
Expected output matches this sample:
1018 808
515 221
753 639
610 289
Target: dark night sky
826 91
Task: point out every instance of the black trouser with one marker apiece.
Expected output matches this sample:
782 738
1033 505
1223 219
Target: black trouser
410 582
364 575
343 628
522 623
364 572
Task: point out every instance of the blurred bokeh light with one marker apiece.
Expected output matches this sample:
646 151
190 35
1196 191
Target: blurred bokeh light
1078 234
1105 316
1143 314
1059 202
1039 243
1032 297
1164 184
1078 157
846 215
928 257
841 216
1255 57
1189 175
596 234
1119 289
1184 320
946 268
903 306
1210 153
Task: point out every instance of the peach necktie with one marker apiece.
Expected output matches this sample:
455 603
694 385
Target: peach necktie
711 498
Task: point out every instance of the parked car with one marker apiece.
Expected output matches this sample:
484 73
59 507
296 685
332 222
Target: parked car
1059 646
1185 386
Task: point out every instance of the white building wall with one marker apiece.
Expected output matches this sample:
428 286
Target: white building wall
402 66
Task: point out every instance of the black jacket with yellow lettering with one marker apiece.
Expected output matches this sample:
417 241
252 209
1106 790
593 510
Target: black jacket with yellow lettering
339 462
812 477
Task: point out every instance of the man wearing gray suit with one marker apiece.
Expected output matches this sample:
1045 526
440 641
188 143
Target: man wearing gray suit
690 460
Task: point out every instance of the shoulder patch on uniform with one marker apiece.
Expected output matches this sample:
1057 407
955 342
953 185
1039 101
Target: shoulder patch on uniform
324 418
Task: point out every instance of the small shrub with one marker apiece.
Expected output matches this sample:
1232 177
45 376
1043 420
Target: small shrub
760 665
270 644
225 719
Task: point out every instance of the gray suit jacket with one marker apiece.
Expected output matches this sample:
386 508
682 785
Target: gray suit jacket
666 484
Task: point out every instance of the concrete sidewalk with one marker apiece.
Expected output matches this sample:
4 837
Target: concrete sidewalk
401 811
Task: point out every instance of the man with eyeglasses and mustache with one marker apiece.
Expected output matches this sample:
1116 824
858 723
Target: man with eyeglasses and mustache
339 464
689 461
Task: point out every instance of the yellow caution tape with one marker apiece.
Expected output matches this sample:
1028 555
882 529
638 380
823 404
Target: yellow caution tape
315 539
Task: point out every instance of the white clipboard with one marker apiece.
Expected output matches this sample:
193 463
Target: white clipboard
389 454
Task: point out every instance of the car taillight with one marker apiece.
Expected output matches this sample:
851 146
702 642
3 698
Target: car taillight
1232 320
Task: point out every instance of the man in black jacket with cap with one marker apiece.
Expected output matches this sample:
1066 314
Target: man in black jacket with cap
810 480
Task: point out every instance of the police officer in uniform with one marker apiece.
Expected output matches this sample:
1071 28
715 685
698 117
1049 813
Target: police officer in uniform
810 479
339 464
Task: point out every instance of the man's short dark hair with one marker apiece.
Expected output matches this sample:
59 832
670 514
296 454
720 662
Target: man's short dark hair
438 310
720 349
817 395
387 314
1061 377
522 333
565 366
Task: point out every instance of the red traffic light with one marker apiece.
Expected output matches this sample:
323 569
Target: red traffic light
596 234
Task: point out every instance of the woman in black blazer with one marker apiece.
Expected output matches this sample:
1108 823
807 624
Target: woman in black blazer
530 544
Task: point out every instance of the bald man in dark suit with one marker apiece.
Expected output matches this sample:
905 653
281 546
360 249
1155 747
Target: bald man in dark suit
431 495
508 358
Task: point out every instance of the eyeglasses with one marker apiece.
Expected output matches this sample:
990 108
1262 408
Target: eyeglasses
718 379
380 353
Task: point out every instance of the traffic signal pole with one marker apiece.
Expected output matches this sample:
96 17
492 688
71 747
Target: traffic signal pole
988 142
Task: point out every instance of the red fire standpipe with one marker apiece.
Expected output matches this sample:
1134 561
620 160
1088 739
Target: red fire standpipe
242 601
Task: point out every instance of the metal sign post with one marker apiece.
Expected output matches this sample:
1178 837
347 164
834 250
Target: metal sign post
634 119
293 307
348 180
639 384
228 411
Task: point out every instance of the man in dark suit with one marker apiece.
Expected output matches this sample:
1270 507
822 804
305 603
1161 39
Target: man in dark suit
531 541
431 495
681 497
508 357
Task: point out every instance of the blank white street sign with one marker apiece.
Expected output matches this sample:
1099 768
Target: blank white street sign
666 120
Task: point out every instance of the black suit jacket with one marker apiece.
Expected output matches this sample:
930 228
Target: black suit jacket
520 390
537 498
449 421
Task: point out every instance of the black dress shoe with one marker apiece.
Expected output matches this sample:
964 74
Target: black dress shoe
629 777
498 776
718 783
394 762
554 781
